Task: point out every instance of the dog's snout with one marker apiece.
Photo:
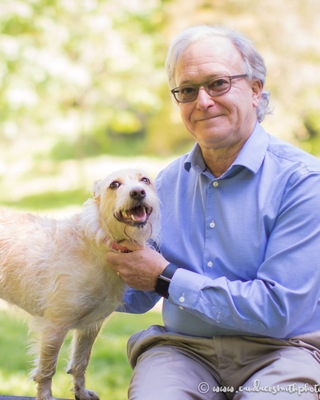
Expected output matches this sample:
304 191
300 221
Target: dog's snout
138 193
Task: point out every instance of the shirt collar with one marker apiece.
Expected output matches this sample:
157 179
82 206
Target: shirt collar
195 160
254 150
251 155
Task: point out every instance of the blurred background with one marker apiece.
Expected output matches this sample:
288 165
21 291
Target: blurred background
83 91
83 88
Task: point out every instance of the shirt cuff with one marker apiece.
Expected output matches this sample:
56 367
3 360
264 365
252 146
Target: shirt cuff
185 287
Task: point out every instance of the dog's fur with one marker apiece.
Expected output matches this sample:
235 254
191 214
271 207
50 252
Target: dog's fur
56 269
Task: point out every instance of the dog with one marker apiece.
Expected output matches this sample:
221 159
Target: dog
56 271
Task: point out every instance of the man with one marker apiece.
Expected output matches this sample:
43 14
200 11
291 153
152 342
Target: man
240 243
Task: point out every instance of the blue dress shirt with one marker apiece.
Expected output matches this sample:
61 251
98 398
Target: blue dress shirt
248 243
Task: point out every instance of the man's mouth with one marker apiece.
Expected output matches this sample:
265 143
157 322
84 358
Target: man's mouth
136 216
208 118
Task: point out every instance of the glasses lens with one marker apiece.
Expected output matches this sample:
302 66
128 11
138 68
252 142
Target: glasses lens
215 87
186 94
218 86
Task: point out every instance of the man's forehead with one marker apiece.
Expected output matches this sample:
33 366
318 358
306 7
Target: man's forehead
213 55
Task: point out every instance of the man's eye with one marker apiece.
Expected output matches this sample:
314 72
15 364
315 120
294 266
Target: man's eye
219 83
187 90
114 185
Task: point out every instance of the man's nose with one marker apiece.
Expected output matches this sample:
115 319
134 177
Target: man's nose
204 100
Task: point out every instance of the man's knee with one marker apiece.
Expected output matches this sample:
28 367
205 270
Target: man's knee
165 373
294 374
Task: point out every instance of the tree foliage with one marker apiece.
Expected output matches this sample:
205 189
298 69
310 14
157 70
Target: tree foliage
83 77
79 72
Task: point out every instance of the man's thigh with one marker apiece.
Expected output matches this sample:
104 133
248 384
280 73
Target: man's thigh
164 373
293 373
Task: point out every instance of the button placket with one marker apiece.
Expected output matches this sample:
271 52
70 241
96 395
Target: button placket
210 264
210 227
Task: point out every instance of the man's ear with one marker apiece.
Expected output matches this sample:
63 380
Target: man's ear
256 87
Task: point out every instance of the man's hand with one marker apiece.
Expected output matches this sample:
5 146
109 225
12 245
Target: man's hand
139 268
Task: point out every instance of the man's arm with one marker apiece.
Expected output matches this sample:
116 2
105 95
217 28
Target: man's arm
283 297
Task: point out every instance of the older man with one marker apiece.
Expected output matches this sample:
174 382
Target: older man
240 243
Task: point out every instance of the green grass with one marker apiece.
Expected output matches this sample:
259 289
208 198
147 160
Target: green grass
48 200
108 372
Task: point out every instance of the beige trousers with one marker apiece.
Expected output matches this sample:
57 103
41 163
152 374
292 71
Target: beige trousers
168 366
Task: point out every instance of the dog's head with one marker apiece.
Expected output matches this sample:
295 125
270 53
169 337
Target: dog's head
128 205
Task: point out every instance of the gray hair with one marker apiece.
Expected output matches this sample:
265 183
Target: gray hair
253 63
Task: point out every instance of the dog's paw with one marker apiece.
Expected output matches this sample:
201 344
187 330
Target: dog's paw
44 394
45 397
86 395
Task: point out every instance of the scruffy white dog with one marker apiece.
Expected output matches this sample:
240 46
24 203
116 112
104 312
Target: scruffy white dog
56 269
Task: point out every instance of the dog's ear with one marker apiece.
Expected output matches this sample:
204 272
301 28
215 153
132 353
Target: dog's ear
97 190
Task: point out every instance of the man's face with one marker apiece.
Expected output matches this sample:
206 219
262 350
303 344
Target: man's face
226 120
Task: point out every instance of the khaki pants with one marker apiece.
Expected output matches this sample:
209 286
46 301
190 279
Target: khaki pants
170 366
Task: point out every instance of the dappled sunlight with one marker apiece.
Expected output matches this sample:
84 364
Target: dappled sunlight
85 82
84 93
87 78
43 185
16 384
108 372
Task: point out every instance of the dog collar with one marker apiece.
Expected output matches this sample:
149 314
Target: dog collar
118 247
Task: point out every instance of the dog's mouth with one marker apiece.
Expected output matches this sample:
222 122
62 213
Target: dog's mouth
137 216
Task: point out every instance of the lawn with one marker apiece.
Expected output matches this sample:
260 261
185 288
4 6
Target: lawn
108 372
50 187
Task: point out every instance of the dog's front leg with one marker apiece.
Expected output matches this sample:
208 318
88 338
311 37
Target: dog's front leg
82 343
52 338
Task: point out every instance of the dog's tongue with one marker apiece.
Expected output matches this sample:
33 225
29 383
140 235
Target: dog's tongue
138 214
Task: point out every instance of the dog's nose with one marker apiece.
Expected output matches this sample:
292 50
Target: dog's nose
138 193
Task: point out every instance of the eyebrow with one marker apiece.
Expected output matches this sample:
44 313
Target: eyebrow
208 78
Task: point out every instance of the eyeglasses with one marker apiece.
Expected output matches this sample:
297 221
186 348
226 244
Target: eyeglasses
215 87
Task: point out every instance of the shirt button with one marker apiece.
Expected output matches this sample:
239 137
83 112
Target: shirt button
210 264
182 299
212 224
215 183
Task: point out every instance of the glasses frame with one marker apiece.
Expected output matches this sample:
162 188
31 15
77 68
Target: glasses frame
205 86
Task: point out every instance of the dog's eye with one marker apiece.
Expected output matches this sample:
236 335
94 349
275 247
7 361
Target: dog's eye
146 180
114 185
